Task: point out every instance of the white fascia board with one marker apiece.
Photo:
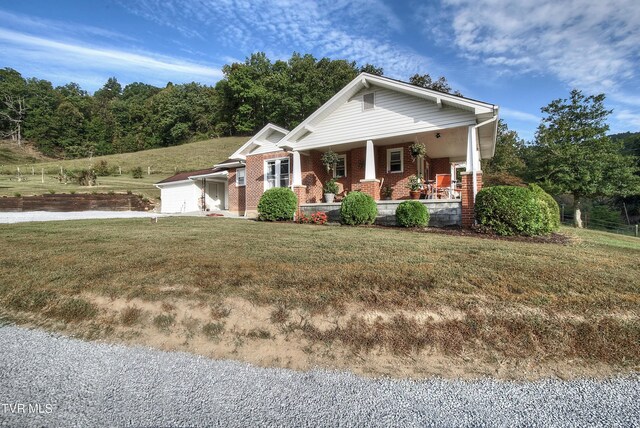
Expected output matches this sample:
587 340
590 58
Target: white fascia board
230 165
256 139
171 183
213 174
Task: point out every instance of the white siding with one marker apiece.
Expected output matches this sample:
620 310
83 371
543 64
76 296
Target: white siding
394 114
179 197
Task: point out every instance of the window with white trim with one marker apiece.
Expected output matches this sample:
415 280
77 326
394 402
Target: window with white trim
276 173
240 177
395 160
368 101
340 168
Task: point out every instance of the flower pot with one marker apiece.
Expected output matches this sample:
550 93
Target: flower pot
328 197
414 194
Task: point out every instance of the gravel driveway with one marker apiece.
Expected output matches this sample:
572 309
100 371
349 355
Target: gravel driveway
68 382
21 217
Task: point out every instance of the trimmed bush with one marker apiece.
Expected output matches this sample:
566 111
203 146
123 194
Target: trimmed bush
552 210
358 208
509 210
137 172
279 203
412 214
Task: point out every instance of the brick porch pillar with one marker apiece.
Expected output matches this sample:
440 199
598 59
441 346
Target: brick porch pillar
467 197
371 188
301 194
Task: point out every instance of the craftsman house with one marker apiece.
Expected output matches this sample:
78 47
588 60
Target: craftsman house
371 124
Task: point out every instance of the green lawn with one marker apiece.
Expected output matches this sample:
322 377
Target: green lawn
512 299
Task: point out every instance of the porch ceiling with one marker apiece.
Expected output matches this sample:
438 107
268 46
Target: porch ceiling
452 143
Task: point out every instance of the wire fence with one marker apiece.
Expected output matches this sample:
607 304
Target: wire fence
601 224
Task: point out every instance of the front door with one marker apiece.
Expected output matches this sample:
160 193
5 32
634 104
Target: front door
215 195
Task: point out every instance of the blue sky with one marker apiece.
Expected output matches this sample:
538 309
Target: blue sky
519 55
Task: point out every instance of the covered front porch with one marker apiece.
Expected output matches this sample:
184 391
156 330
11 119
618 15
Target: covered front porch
383 168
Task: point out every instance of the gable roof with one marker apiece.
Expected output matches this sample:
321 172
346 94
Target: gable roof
264 139
480 109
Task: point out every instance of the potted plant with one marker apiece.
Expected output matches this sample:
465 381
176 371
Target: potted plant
330 190
417 150
329 160
386 192
414 183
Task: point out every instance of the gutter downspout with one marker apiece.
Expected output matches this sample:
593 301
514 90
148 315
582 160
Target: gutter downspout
473 168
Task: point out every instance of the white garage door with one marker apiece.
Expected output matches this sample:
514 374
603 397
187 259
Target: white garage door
179 197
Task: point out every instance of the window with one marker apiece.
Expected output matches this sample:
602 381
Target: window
340 169
277 173
368 101
395 162
240 176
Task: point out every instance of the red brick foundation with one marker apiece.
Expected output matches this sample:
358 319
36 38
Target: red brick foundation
468 203
371 188
301 194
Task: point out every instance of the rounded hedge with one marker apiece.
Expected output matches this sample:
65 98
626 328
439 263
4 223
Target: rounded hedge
358 208
412 214
510 210
552 210
279 203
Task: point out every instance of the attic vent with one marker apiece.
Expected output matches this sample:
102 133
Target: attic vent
368 101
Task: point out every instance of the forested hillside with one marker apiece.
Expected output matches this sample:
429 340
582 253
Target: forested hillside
66 121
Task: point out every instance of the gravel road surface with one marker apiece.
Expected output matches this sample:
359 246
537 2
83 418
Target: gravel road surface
68 382
21 217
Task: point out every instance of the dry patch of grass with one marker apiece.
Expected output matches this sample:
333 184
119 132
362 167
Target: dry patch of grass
377 301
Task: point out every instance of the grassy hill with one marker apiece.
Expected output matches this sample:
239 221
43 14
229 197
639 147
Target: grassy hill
163 162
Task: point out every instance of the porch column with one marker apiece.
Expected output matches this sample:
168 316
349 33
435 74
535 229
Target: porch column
298 188
370 185
471 179
297 169
370 165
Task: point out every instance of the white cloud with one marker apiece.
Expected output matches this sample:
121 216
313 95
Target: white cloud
77 58
590 44
358 30
628 120
518 115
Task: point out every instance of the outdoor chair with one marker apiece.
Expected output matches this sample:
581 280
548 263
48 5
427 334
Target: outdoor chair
442 186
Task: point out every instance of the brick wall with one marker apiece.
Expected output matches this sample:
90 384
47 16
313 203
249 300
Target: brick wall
255 178
468 214
439 166
397 181
236 194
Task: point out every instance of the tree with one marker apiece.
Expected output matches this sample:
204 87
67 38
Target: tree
572 153
371 69
14 112
508 156
425 81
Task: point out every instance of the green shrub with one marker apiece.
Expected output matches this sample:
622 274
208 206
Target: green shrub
102 168
412 214
603 216
358 208
136 172
509 210
551 211
83 177
17 194
279 203
331 187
